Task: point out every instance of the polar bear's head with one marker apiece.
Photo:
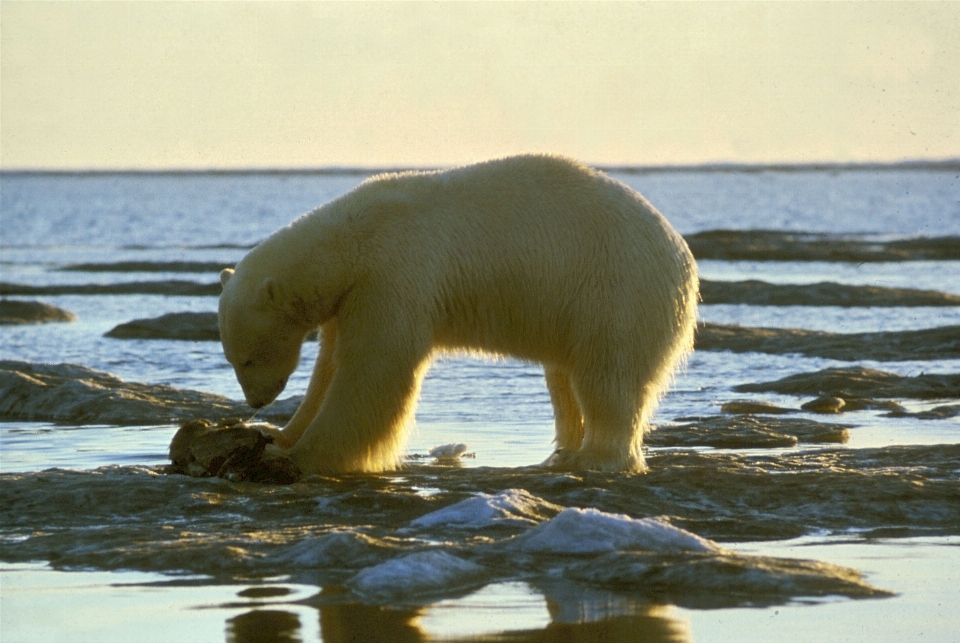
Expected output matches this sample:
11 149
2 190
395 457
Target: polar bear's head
258 338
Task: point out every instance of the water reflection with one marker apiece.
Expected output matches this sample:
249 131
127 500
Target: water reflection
264 626
575 614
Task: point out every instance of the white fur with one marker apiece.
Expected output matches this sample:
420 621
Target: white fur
535 257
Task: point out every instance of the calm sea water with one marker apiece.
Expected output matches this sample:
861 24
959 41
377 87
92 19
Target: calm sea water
500 409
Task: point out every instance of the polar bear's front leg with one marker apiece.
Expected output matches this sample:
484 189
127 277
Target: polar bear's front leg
361 423
323 371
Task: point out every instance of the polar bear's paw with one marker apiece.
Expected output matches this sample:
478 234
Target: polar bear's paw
595 460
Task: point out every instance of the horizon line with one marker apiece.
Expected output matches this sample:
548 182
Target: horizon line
358 170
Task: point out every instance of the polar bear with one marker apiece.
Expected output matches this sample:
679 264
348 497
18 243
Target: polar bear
535 257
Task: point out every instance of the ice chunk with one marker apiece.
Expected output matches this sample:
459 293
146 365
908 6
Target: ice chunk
423 572
335 549
448 452
512 507
589 531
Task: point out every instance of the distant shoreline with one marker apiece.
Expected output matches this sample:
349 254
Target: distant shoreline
947 165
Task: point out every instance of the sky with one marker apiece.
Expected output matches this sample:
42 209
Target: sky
231 85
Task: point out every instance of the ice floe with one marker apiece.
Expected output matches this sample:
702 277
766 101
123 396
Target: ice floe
336 549
512 507
590 531
448 452
417 574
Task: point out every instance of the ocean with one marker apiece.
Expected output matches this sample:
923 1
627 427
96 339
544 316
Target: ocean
759 540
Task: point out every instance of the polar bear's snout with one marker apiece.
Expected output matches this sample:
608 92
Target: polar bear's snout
259 394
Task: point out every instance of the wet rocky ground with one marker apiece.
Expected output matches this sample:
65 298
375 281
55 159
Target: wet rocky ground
186 326
761 293
931 343
15 312
926 344
861 381
752 292
461 528
170 288
74 394
773 245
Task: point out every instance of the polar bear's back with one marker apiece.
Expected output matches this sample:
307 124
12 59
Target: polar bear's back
533 247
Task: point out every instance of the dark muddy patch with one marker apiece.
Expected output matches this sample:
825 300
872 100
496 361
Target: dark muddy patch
15 313
927 344
936 413
856 382
746 432
773 245
761 293
74 394
196 327
171 288
148 266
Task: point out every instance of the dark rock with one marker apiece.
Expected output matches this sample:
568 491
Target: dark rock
15 312
931 343
746 432
749 407
196 327
172 287
74 394
857 382
773 245
148 266
937 413
825 404
761 293
182 326
228 450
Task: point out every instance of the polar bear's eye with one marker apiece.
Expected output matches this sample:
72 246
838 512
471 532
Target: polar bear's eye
247 364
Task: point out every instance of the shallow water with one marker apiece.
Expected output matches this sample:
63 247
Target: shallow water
319 560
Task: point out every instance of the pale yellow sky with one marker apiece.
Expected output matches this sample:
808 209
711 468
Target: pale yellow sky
267 85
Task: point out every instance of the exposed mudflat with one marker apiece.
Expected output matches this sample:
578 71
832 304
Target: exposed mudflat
942 412
170 287
438 531
184 326
148 266
762 293
858 381
758 245
745 431
773 245
927 344
74 394
16 312
933 343
750 292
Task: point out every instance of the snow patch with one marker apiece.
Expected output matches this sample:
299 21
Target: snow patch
336 549
423 572
589 531
512 507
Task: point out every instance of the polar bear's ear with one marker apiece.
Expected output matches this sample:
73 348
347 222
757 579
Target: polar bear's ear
225 275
